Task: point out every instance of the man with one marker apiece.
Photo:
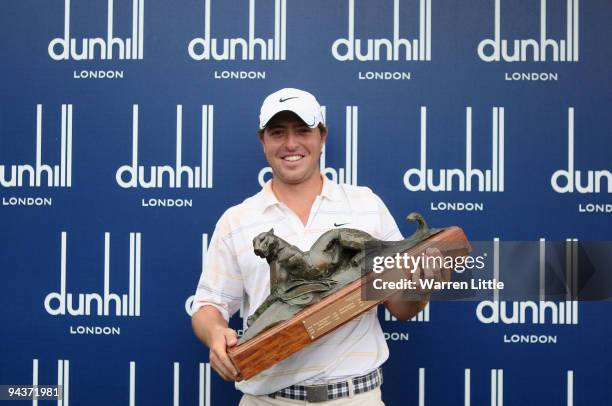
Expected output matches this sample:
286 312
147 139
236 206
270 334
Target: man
300 204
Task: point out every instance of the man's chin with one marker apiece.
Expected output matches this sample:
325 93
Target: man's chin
291 178
292 181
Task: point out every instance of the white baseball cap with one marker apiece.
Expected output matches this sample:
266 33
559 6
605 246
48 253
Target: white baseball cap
302 103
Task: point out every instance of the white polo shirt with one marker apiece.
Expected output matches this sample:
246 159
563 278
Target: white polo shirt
234 276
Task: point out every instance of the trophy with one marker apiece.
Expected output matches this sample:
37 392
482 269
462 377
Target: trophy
314 292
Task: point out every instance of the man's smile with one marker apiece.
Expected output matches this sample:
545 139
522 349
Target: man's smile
293 158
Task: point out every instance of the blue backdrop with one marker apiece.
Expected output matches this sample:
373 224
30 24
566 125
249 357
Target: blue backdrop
492 115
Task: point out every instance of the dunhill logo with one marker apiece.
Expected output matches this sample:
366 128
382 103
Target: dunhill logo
190 299
250 48
531 49
533 312
131 176
422 179
348 174
536 311
56 175
573 180
60 303
64 48
384 49
204 386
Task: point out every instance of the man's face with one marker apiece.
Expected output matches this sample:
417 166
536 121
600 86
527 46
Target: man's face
292 148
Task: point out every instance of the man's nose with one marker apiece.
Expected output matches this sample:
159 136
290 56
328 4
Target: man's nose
292 140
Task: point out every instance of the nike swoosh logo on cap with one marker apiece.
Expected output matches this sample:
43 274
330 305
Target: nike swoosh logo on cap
287 98
340 224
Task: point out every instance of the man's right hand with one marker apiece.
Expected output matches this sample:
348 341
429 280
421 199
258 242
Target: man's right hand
211 328
223 338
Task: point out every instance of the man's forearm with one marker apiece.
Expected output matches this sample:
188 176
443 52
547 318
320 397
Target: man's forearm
205 321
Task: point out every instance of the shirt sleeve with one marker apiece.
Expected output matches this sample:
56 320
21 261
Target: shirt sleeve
388 227
221 283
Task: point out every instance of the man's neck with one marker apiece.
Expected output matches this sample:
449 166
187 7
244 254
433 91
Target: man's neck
299 197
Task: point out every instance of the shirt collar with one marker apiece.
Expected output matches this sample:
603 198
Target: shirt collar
269 198
330 191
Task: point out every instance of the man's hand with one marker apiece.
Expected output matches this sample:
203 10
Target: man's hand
221 339
404 308
432 272
211 328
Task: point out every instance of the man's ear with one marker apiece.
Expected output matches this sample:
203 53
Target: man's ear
324 136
